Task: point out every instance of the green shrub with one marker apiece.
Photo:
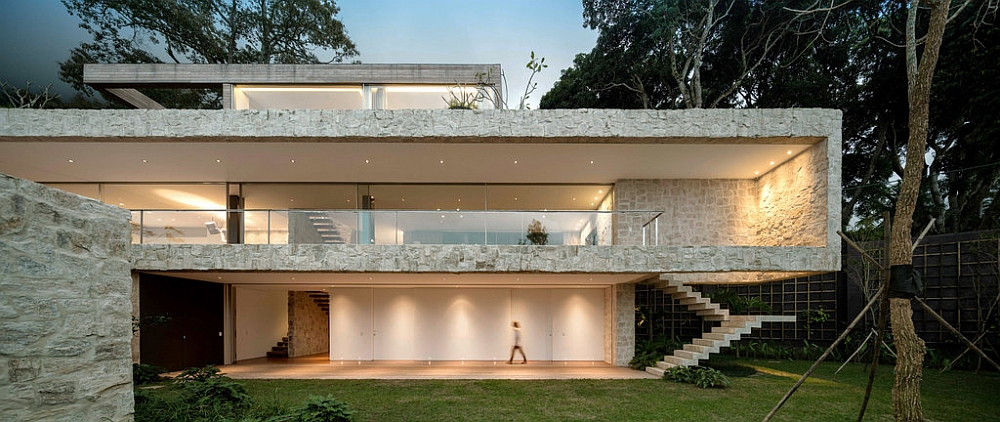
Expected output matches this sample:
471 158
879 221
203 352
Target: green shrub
206 386
198 374
739 305
143 374
322 409
701 376
648 352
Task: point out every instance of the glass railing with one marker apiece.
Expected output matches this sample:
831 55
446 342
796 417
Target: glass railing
386 227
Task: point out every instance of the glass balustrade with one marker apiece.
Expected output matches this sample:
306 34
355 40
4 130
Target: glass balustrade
387 227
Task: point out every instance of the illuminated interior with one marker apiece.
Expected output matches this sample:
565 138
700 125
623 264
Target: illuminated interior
355 97
455 324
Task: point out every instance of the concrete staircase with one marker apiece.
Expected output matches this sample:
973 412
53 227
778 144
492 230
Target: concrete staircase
731 328
279 351
328 230
322 300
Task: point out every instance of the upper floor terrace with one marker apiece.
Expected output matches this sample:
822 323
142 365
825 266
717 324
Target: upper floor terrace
687 191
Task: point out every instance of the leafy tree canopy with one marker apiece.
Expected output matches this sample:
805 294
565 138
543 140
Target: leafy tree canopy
850 59
205 31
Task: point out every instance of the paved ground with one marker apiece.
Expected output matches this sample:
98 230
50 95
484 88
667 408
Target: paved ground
320 367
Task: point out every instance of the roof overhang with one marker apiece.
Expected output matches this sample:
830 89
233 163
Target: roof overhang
411 146
122 80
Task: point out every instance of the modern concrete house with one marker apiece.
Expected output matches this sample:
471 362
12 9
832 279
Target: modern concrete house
345 208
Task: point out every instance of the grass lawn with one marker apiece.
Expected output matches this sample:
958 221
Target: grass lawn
952 396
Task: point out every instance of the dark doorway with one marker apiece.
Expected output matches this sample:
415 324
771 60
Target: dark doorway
191 333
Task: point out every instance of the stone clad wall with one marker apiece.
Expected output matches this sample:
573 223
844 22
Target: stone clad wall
624 324
791 201
65 325
695 212
308 326
475 126
483 258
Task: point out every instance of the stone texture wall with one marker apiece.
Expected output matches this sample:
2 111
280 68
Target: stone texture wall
480 126
65 326
624 324
308 326
483 258
695 212
791 201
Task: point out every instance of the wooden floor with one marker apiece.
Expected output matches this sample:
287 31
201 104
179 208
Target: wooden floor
320 367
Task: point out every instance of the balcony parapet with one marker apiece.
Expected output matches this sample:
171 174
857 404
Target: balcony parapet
727 263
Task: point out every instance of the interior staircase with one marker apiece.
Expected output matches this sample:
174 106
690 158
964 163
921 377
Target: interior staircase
279 351
731 327
322 300
327 229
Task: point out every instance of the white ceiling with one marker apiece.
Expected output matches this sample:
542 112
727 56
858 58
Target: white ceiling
386 162
319 281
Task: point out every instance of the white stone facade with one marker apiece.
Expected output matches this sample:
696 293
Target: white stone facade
479 126
780 224
65 307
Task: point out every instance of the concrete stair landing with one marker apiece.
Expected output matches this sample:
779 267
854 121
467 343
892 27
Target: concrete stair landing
731 328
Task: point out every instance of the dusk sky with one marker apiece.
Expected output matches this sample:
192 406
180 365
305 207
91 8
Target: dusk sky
37 34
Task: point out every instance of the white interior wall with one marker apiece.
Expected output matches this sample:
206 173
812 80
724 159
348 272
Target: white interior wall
351 324
261 321
578 324
465 323
530 308
394 312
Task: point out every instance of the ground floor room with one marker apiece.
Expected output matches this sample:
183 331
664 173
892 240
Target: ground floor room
188 322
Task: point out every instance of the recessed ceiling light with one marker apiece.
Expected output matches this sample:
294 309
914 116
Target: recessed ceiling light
515 198
293 161
789 152
440 161
291 199
574 199
70 160
591 161
515 161
218 160
145 160
756 173
600 191
772 163
591 204
402 199
367 161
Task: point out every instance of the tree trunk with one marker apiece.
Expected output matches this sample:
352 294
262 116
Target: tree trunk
909 347
909 362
